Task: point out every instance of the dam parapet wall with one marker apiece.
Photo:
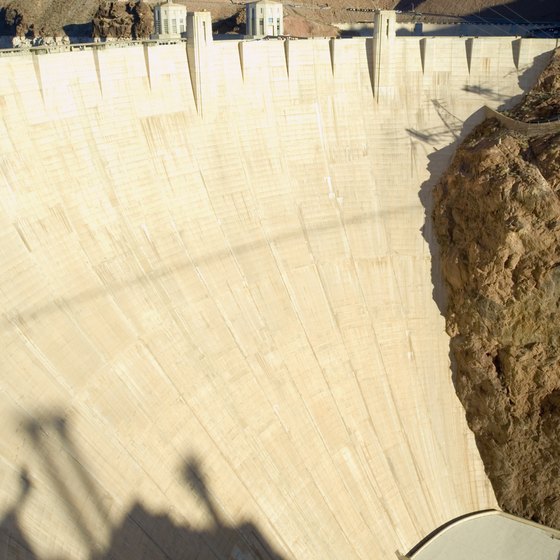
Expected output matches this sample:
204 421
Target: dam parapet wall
393 62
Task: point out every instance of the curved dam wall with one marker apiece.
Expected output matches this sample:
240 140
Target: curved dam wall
220 335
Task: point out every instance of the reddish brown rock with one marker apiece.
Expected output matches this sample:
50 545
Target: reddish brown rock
497 217
119 20
143 20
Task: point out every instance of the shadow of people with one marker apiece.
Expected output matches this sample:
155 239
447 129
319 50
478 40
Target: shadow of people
142 534
152 536
245 538
13 543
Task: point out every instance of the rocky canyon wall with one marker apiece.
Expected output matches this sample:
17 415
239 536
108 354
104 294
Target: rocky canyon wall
497 215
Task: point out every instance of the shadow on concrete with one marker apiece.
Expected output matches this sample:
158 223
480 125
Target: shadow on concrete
141 534
531 72
527 77
369 54
450 127
487 93
438 161
13 542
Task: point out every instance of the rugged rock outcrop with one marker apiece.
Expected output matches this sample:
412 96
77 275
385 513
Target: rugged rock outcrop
235 23
22 24
53 18
497 217
143 20
112 20
34 18
118 20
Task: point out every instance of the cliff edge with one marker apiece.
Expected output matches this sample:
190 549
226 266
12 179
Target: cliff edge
130 20
497 217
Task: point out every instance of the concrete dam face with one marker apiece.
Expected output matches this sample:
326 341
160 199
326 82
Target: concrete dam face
220 326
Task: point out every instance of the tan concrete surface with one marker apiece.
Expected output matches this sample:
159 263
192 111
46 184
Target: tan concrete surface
219 326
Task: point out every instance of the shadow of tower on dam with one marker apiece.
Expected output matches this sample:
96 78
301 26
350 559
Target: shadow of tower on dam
141 533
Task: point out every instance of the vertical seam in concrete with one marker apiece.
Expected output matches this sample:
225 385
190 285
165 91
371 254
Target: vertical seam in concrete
241 48
147 62
98 69
37 69
423 54
516 52
287 56
469 50
331 51
194 72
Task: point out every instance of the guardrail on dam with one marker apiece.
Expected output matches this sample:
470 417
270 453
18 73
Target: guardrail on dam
551 126
220 325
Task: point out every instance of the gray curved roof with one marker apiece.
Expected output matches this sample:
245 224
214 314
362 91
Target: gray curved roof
490 535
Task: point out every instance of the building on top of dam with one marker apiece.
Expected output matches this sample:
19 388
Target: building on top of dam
265 18
170 20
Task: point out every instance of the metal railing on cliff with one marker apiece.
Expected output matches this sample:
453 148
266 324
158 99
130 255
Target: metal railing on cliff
550 126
